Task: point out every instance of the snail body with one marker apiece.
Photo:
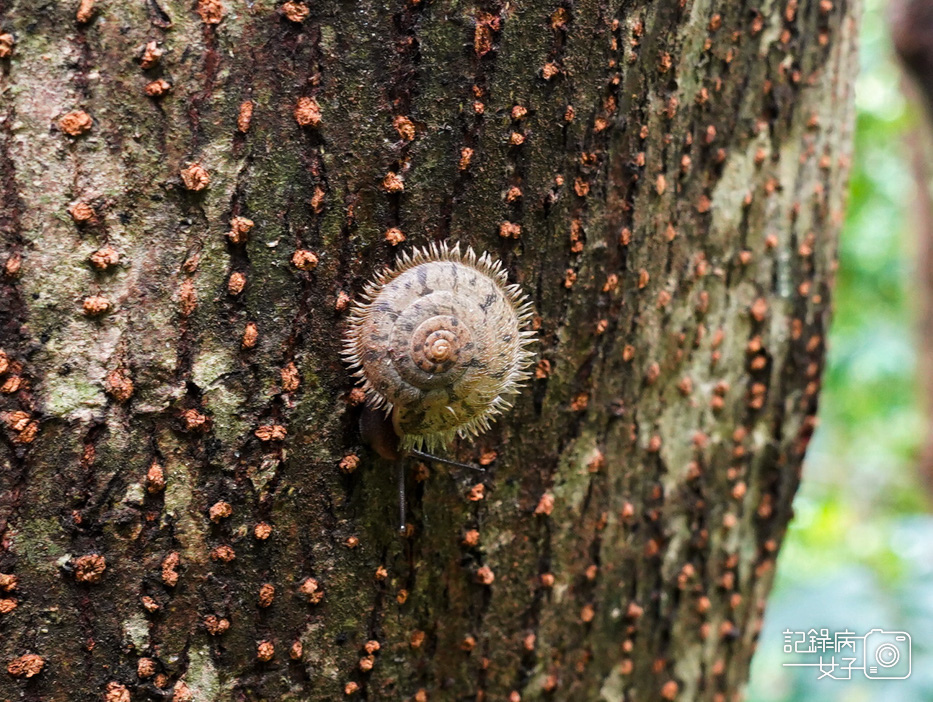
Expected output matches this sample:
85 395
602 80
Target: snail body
439 344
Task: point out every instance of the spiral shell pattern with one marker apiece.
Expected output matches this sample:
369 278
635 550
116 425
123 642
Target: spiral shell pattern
439 341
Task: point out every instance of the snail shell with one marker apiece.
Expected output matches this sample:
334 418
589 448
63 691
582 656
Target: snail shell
438 342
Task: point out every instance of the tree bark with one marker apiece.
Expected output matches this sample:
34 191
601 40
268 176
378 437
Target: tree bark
181 451
912 36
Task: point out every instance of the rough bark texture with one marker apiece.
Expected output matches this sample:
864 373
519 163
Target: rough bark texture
669 177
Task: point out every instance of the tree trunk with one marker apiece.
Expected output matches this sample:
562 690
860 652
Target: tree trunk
186 508
912 36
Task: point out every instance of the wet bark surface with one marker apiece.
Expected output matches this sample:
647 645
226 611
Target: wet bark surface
186 508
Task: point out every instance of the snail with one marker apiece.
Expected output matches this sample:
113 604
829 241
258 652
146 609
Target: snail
440 345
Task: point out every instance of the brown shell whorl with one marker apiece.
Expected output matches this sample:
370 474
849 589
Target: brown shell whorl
438 341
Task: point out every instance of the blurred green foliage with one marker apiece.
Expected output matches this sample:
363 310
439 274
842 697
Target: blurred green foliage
859 553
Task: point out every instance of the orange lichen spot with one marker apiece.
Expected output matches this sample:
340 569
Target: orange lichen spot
220 510
215 625
11 385
401 596
245 116
152 54
372 646
759 309
476 493
516 139
12 265
519 112
394 236
513 194
559 18
271 432
85 11
304 260
486 27
75 123
158 88
545 504
169 569
510 230
211 11
266 595
478 107
405 127
149 604
290 378
116 692
195 420
570 277
485 575
342 301
393 183
466 155
580 402
581 187
660 184
8 582
145 668
295 11
587 613
26 666
366 663
349 463
351 542
250 335
180 693
356 396
239 229
82 213
543 369
119 384
265 650
6 45
104 258
155 479
295 651
317 200
643 278
416 638
549 70
90 568
312 590
223 553
308 112
351 688
236 283
596 462
487 457
262 531
7 606
195 177
95 305
470 538
381 573
669 690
